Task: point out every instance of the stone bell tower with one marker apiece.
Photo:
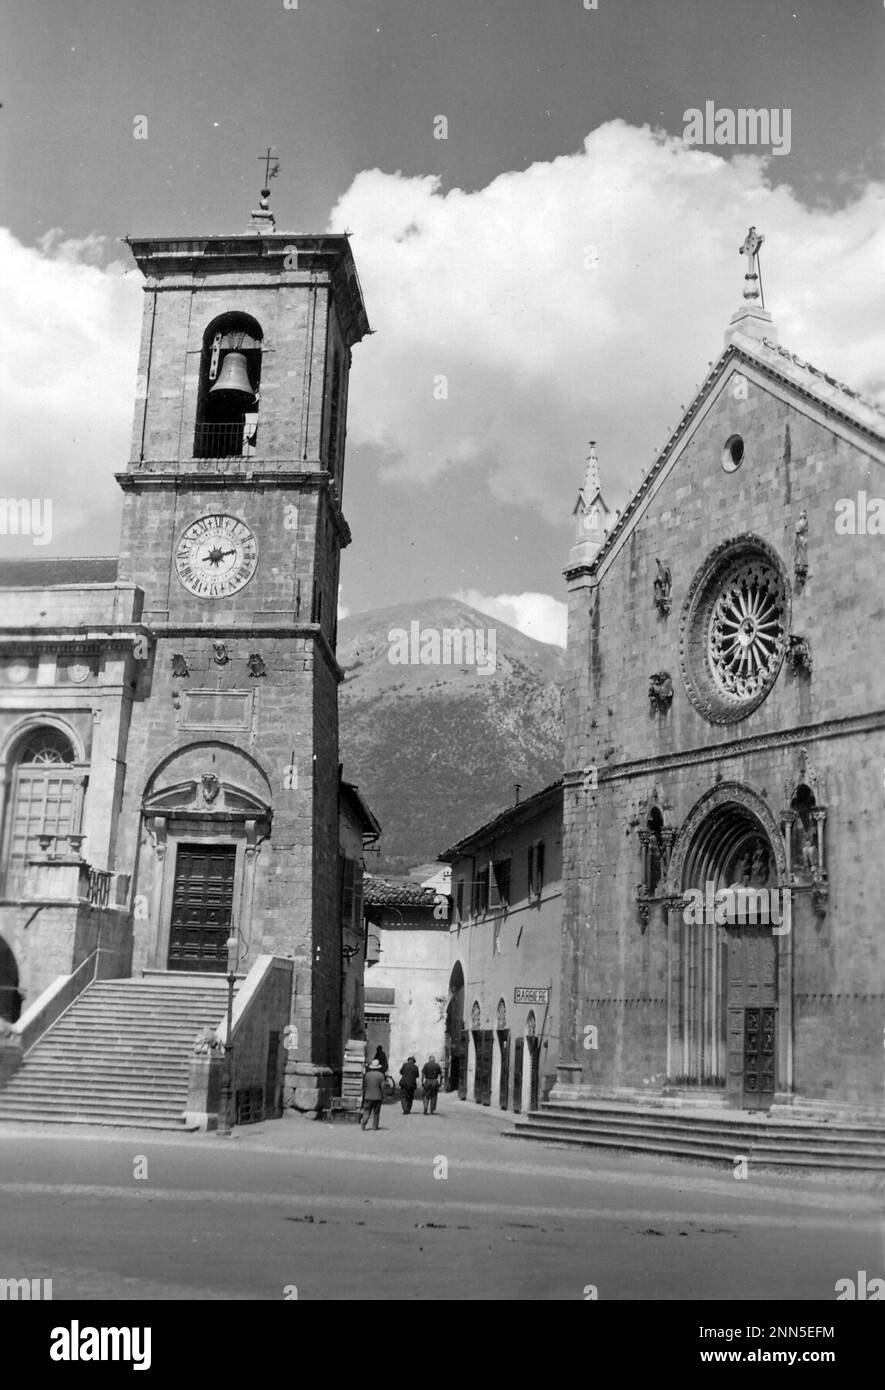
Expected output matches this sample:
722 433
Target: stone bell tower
233 528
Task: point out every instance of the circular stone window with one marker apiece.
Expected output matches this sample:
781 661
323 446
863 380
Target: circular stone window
733 454
734 630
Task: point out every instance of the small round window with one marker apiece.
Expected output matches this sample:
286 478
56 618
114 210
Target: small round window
733 453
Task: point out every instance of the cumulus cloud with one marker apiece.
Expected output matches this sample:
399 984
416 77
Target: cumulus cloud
68 356
584 298
537 615
580 298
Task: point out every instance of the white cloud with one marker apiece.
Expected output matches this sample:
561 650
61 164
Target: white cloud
68 354
490 290
496 290
537 615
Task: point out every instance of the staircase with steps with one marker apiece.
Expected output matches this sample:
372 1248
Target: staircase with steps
119 1055
711 1134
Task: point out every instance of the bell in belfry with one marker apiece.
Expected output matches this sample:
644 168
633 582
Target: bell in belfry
234 376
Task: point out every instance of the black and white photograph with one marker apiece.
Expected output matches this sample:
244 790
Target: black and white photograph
442 673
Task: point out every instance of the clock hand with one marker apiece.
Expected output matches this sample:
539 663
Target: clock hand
215 556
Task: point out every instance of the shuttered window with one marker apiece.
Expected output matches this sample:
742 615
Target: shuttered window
46 802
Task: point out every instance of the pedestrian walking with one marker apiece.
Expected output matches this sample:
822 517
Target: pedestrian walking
431 1080
373 1094
381 1058
408 1081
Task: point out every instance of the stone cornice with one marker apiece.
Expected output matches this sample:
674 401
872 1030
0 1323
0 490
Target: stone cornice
257 260
736 748
39 638
169 475
311 632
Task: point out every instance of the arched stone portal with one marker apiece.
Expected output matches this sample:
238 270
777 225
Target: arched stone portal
456 1036
729 951
10 998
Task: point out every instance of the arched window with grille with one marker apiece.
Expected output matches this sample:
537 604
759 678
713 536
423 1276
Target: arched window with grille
45 803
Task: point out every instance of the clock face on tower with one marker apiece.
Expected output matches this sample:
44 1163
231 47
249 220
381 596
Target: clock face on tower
216 556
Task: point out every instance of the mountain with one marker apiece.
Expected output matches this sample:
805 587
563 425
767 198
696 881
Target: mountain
436 748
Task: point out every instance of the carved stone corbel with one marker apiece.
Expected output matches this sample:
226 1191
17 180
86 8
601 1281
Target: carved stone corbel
156 828
643 904
820 893
660 691
799 654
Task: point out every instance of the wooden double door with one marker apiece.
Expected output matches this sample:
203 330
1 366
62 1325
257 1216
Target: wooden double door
752 1017
202 907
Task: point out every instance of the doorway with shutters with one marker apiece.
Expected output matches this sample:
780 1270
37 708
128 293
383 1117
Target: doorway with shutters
502 1033
377 1033
456 1053
518 1056
484 1044
202 907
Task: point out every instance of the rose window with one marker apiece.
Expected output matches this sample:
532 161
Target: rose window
746 636
734 630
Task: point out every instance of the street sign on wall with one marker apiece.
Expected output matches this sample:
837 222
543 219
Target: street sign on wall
527 994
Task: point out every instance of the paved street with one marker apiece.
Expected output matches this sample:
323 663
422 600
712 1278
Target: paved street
342 1214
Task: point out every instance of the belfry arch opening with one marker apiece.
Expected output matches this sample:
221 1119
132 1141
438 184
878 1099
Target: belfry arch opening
229 389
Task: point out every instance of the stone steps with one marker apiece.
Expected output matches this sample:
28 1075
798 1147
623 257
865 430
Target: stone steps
120 1055
711 1136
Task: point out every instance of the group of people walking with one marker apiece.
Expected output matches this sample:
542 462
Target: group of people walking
377 1084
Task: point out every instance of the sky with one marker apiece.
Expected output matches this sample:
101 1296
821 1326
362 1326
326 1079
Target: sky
564 261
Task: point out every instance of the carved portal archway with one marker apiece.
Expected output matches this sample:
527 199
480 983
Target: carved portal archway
728 795
728 979
200 812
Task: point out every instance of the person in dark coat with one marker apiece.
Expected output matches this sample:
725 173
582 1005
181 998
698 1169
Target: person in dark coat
431 1080
381 1058
373 1094
408 1081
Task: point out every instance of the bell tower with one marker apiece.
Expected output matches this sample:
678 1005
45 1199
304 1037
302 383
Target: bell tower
232 529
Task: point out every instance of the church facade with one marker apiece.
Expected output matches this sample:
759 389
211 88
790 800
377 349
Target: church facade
725 743
168 718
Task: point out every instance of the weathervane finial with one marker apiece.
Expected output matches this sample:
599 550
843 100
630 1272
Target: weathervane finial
271 169
262 218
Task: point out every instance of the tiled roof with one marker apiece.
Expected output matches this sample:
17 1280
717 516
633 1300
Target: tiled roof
350 793
58 569
513 814
378 893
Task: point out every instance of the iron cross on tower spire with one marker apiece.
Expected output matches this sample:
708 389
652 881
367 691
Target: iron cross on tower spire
753 277
271 169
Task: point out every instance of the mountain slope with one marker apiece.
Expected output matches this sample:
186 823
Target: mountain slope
436 748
